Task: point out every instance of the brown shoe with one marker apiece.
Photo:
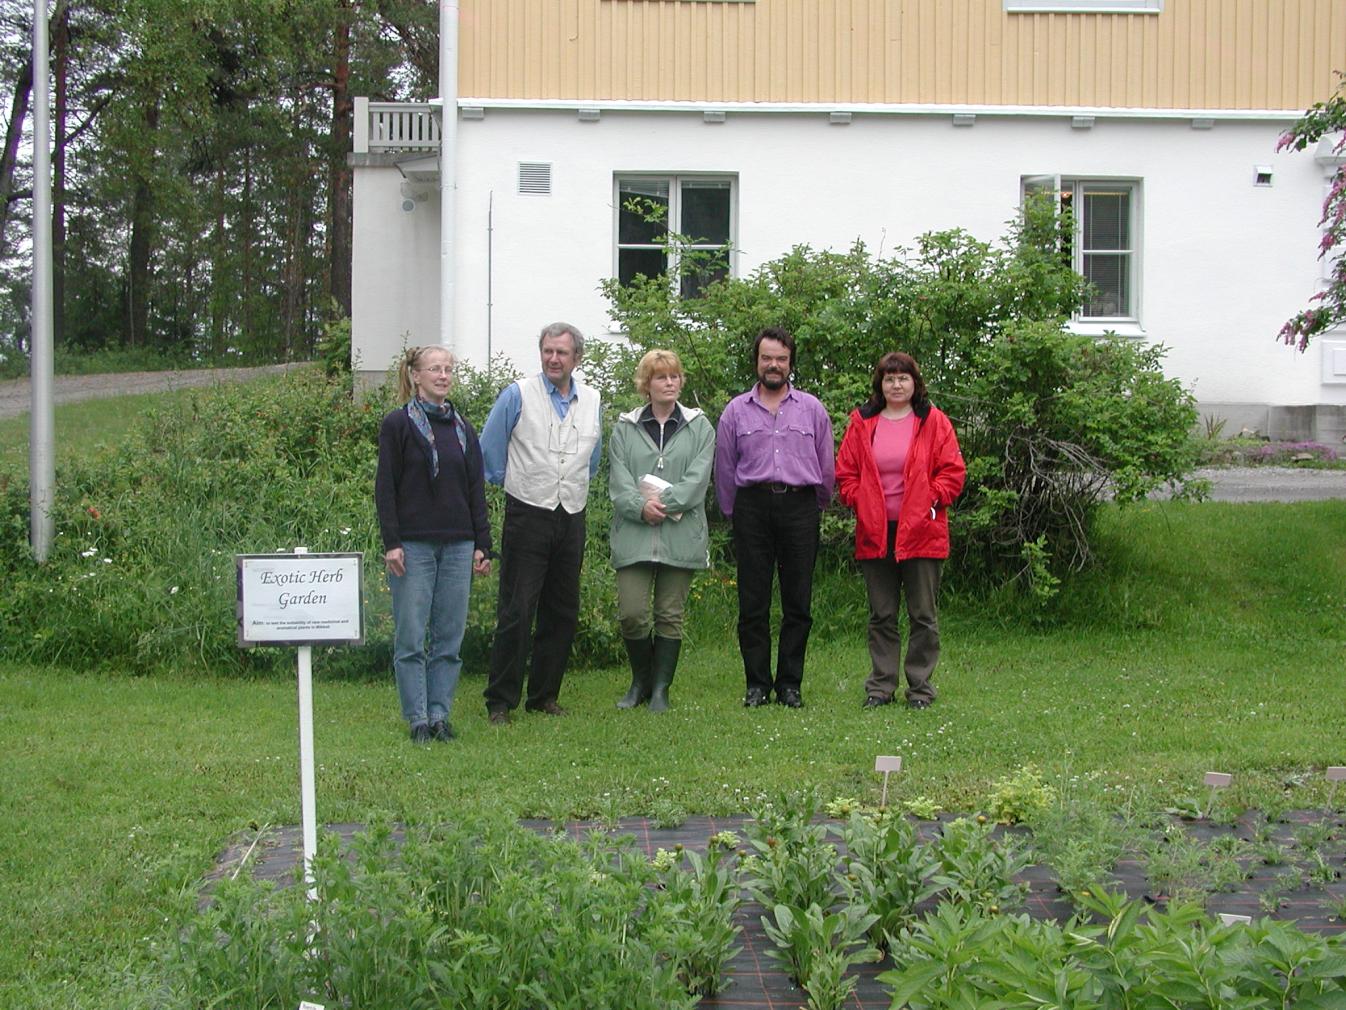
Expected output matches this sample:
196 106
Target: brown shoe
548 708
498 717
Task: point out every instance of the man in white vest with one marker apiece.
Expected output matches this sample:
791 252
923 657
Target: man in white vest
542 441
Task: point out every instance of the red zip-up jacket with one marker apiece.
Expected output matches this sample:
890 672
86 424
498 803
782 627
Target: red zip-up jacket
934 478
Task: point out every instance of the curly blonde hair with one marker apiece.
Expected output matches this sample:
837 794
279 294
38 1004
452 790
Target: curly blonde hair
656 362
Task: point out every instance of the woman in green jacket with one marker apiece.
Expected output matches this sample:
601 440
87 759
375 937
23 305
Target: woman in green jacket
661 457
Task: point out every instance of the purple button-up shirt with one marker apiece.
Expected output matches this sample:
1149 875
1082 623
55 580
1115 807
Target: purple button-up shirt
792 446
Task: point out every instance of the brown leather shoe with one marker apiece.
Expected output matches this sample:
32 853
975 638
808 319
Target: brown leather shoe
498 717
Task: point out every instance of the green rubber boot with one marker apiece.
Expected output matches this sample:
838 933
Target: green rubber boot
665 663
641 654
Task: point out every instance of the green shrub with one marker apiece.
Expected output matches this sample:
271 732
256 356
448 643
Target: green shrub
1051 424
334 346
141 571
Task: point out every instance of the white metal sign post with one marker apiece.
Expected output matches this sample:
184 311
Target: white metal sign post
301 599
308 802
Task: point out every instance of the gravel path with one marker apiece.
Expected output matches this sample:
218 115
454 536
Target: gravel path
16 395
1273 483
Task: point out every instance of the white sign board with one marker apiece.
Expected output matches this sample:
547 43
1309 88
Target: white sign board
300 599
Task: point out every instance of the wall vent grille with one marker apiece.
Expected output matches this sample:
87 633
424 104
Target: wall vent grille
535 177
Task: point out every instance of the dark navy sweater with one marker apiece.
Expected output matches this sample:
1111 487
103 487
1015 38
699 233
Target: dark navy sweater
412 506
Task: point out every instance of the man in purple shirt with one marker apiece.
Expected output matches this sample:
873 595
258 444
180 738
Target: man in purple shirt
774 470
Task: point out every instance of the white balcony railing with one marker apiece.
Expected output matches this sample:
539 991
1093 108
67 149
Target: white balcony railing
395 126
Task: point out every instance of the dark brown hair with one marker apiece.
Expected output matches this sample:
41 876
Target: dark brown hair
778 334
890 363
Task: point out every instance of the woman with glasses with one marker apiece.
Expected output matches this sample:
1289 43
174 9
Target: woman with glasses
431 502
661 456
899 468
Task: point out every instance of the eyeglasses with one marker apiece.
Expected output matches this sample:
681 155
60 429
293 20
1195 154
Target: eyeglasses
437 370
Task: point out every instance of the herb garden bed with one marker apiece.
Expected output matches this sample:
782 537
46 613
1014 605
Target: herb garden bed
1289 869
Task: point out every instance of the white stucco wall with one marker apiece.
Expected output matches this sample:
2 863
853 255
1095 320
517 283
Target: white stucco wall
394 270
1224 262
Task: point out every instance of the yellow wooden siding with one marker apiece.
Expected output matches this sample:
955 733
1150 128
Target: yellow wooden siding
1197 54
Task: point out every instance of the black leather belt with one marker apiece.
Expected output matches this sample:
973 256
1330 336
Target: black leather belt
776 487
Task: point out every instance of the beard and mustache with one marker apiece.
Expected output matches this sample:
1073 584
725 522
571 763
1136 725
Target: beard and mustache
773 378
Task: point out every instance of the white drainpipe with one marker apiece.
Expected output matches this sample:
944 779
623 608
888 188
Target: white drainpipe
448 155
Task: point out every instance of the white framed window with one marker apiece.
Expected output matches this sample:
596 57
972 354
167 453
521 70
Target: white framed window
1084 6
700 211
1104 246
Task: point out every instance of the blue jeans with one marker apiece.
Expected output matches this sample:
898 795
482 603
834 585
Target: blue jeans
431 597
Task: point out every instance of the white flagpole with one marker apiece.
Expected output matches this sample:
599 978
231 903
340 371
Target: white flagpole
41 454
448 154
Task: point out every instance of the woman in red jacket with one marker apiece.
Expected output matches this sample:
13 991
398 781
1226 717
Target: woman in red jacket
899 470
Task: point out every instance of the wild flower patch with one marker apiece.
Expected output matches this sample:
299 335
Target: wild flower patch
1260 452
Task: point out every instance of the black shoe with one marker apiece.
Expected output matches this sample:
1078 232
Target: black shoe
498 716
877 701
755 698
789 697
918 703
442 732
420 733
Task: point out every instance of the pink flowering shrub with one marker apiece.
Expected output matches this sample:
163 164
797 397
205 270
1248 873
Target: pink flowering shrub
1328 307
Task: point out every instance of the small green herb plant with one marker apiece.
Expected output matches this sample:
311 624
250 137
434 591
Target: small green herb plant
817 947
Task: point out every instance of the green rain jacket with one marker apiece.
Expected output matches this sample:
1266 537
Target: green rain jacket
689 457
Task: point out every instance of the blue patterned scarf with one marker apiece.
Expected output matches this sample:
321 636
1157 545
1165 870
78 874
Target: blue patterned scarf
420 411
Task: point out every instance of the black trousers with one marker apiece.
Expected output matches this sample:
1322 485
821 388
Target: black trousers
775 534
541 552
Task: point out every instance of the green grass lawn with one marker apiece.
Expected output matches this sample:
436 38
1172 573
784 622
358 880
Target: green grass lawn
1209 637
84 429
1212 638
